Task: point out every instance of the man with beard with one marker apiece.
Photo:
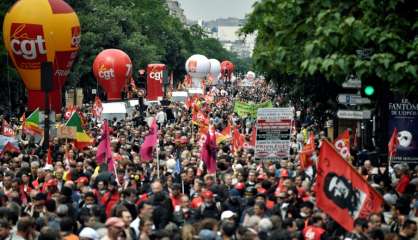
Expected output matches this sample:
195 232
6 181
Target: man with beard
341 192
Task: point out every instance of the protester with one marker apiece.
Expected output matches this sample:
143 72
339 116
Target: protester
128 194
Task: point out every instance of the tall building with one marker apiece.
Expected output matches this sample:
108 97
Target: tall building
227 32
175 10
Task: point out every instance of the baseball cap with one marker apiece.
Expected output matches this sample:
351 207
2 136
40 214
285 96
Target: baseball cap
227 214
82 179
51 182
89 233
48 167
207 194
114 222
284 173
240 186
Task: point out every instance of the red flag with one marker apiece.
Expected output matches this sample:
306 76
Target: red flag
307 151
200 119
49 157
149 142
342 144
7 130
208 152
227 131
393 143
9 147
341 191
238 140
69 112
97 107
104 151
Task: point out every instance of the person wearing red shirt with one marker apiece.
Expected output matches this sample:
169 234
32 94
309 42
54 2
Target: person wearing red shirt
110 198
315 229
175 195
401 171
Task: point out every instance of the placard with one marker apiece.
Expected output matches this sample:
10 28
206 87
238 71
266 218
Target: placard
66 132
403 115
273 133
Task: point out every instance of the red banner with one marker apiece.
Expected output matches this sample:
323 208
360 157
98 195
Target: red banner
155 75
37 99
340 190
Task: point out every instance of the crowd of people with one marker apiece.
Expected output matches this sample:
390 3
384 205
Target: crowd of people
175 198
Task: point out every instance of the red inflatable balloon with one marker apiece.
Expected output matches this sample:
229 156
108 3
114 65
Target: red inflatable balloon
227 68
112 69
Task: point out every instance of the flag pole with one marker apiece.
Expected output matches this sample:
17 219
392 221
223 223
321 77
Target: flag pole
182 185
158 162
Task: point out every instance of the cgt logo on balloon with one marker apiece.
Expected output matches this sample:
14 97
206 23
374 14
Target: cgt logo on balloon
158 76
28 45
105 73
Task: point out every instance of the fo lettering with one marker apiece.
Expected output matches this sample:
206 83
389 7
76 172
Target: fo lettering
29 48
107 74
75 41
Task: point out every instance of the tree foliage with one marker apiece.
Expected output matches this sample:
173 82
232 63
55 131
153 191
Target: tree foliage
301 40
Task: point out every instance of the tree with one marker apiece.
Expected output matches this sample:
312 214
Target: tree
302 39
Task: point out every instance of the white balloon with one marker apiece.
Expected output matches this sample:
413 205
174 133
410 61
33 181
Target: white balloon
198 67
215 67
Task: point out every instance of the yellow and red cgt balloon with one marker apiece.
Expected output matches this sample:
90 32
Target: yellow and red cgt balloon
35 31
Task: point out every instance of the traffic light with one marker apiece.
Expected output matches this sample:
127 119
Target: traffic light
369 88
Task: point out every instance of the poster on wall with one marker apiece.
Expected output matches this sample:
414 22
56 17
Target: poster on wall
403 115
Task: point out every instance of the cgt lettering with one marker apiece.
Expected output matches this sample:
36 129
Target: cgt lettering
107 74
156 75
29 48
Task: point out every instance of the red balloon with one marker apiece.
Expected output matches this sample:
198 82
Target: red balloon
227 68
112 69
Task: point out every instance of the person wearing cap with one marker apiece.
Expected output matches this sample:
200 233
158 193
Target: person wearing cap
51 187
209 208
184 213
81 182
114 226
88 233
228 216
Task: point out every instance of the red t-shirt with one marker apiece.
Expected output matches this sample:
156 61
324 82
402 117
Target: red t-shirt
312 233
176 201
196 202
403 182
109 200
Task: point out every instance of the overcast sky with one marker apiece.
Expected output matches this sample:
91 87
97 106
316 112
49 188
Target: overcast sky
213 9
